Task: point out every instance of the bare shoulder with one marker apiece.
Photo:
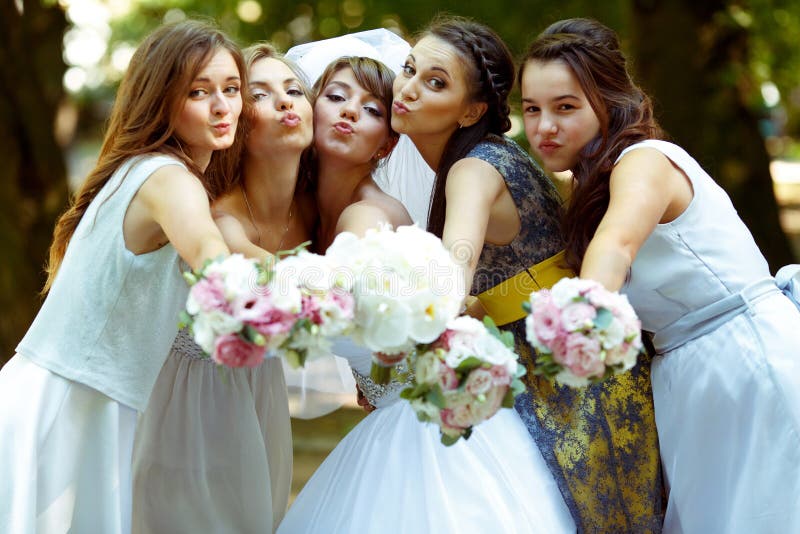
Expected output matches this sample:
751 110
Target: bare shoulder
644 163
374 199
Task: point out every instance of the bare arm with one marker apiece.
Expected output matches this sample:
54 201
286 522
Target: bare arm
644 187
361 216
177 201
473 186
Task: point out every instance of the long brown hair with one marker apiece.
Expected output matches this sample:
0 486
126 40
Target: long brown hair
490 70
143 117
370 74
591 51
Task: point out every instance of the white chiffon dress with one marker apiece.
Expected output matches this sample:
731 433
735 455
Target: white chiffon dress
392 475
213 450
69 398
726 382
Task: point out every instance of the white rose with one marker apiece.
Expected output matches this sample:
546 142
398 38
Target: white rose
613 335
238 273
426 409
426 369
383 323
207 327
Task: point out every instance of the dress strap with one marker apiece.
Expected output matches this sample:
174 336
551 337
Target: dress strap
503 302
704 320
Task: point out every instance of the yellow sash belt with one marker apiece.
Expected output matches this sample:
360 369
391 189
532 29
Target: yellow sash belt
503 302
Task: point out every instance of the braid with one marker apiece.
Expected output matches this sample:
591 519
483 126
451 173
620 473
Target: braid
490 71
493 85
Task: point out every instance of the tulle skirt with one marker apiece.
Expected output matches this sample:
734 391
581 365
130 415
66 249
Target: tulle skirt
728 415
392 475
213 450
65 455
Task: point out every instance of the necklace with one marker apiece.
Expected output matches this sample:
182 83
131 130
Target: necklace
253 219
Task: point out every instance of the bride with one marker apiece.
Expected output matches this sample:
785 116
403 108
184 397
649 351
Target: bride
391 470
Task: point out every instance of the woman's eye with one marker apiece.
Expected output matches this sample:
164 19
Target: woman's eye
531 109
376 112
258 95
566 107
295 91
333 97
195 93
232 89
436 83
408 69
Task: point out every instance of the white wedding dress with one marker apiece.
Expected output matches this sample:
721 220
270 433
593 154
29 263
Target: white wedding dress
391 474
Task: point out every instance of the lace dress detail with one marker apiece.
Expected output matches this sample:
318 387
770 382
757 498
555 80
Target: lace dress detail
379 393
600 442
185 346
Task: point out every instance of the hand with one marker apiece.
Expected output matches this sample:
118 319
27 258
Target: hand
363 402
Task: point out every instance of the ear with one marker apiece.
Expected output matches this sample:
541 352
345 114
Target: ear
387 147
473 114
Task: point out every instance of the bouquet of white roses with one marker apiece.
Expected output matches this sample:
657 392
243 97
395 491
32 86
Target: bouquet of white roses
582 332
238 309
406 288
464 377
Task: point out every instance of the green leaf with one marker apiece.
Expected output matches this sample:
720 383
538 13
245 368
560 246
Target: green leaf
448 440
526 306
468 364
184 319
603 319
436 397
508 399
414 392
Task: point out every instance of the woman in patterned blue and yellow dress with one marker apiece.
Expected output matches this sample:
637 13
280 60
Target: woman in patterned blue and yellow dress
500 215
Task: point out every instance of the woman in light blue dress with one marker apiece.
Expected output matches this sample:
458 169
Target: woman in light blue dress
646 219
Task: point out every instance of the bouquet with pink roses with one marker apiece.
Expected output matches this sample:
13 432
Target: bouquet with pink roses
582 332
239 309
464 377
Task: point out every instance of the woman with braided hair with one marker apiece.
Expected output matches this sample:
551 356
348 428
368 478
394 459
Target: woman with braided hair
646 219
500 215
391 473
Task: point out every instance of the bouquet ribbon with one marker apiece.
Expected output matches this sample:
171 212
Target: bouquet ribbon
503 302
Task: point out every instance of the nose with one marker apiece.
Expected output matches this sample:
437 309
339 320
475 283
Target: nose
406 88
547 124
349 110
283 102
219 104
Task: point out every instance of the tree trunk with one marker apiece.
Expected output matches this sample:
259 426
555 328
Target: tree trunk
33 185
692 58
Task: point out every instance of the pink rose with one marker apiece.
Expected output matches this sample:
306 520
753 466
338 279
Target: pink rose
344 300
447 378
577 315
444 340
582 356
482 411
271 321
233 351
479 381
209 295
459 416
310 309
546 322
500 375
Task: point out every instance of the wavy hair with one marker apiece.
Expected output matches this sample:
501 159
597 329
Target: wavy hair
144 114
490 71
591 51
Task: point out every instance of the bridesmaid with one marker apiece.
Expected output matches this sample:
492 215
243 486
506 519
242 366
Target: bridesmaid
647 219
214 451
500 215
69 399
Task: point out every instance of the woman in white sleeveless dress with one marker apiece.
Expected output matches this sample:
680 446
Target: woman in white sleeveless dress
391 472
213 450
726 383
69 398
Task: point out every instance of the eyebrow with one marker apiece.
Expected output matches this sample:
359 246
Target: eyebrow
435 67
207 79
561 97
264 84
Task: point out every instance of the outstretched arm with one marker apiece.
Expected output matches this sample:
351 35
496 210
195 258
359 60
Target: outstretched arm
473 186
176 200
645 189
236 238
